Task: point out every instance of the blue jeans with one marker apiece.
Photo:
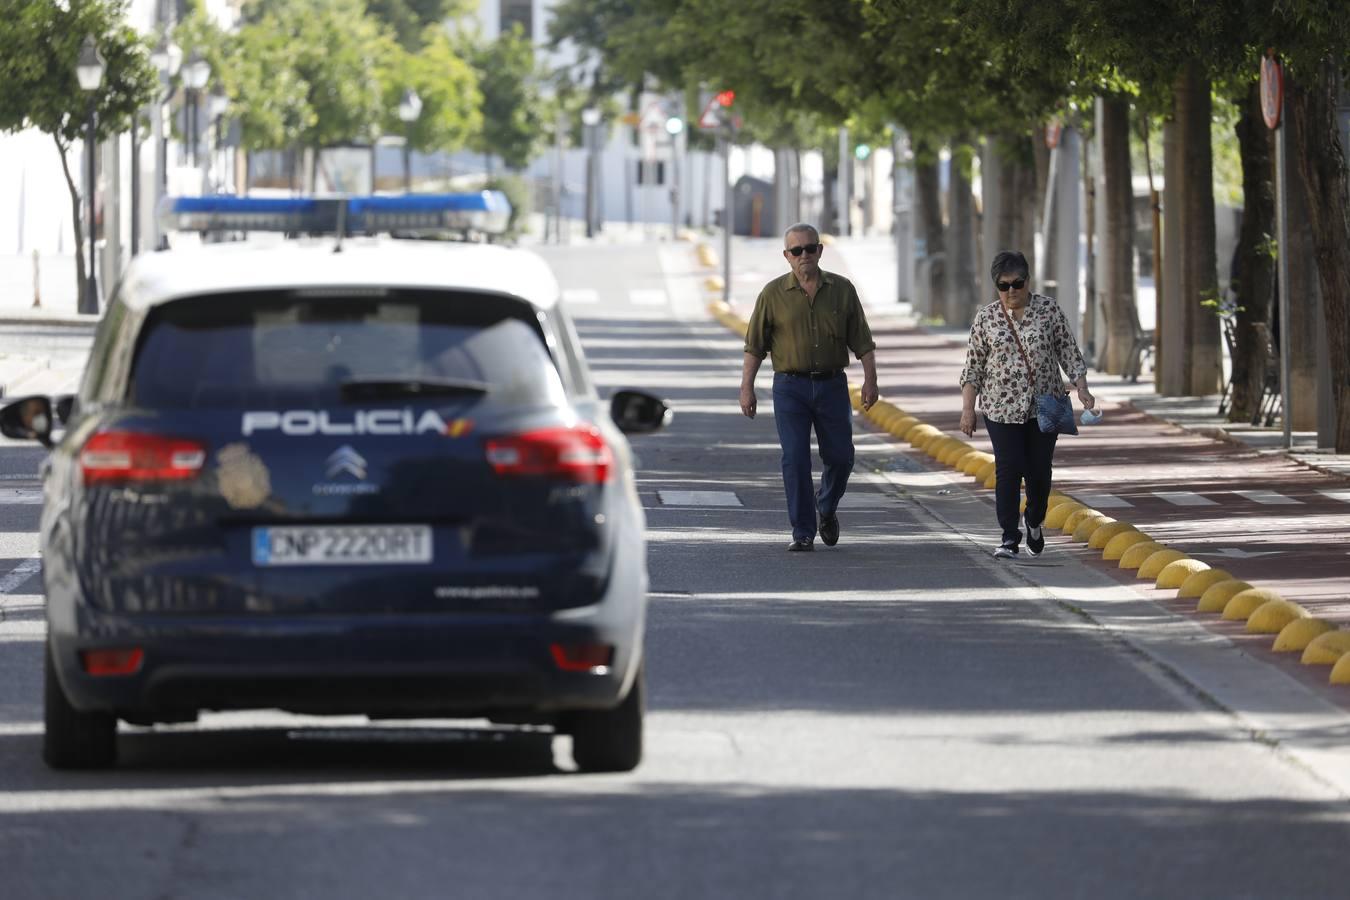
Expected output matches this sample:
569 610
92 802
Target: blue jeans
1021 453
800 404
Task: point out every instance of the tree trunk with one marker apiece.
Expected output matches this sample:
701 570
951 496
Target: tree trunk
1117 243
1203 368
961 295
80 274
930 232
1322 171
1252 274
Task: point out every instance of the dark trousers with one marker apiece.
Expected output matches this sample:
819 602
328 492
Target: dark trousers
1021 452
800 404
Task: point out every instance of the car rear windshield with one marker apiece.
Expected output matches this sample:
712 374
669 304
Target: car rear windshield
308 349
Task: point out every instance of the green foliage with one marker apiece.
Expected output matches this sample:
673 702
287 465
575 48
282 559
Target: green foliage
513 113
409 20
39 46
447 86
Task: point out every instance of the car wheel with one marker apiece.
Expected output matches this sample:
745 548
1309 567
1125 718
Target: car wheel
610 740
74 739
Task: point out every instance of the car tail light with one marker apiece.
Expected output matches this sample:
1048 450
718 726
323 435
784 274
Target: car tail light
124 661
576 454
113 456
594 658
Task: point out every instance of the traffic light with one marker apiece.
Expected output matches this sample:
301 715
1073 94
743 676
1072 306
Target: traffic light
726 98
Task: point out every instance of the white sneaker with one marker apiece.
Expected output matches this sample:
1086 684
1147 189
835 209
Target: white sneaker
1005 552
1035 541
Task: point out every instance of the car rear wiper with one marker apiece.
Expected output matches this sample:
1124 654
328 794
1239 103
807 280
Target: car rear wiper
386 388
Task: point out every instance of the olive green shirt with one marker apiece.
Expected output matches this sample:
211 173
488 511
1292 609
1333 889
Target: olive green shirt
807 335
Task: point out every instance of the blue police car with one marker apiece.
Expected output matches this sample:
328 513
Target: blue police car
341 474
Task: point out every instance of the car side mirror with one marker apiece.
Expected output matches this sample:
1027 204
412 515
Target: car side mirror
638 412
28 419
65 403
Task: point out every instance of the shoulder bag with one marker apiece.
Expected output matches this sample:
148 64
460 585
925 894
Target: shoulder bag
1054 411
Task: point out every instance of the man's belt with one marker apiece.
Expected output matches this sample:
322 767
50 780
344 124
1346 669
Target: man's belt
816 376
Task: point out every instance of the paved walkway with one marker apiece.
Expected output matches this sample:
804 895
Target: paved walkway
1229 497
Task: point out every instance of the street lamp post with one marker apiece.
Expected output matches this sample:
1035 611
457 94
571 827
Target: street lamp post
409 108
167 58
196 72
89 71
590 119
675 128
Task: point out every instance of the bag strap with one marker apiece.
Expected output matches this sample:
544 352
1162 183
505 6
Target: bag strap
1031 378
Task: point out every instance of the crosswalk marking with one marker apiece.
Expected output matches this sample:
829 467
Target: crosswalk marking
865 500
1184 498
19 574
577 296
698 498
20 496
1343 496
647 296
1269 498
1103 501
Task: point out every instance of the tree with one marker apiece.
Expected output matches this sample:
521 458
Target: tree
39 45
448 87
512 110
409 20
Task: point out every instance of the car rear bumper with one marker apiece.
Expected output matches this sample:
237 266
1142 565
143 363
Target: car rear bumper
453 666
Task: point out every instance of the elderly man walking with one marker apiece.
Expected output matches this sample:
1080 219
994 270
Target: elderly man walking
808 321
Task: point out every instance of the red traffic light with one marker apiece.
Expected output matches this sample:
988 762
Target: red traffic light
726 98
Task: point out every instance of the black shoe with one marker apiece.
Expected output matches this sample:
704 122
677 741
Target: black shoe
829 530
1035 540
800 546
1006 551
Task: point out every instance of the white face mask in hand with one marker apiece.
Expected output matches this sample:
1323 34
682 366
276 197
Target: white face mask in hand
1090 416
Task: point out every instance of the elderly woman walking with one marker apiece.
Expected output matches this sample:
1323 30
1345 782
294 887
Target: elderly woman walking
1018 344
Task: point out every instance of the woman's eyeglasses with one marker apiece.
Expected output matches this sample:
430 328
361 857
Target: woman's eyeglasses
812 249
1005 286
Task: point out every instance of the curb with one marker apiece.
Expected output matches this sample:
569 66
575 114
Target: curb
1264 611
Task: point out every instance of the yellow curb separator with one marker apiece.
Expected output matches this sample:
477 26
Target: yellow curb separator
1116 546
1102 536
1216 596
1272 616
1198 582
1244 603
1326 649
1340 672
1057 515
1088 525
1135 556
1299 633
1078 515
1156 562
1174 574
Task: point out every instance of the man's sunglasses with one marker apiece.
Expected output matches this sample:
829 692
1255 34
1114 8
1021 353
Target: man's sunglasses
1005 286
812 249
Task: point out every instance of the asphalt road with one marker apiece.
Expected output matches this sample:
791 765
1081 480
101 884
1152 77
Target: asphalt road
893 717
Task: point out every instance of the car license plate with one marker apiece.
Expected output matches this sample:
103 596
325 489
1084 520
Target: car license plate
341 545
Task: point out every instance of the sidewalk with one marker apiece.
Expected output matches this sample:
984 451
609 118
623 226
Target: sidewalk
1227 499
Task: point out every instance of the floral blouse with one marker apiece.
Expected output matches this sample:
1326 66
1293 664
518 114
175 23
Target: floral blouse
995 367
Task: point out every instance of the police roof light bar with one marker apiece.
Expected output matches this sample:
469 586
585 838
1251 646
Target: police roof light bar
487 212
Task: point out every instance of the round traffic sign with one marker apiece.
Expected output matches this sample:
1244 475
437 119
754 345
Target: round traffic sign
1272 90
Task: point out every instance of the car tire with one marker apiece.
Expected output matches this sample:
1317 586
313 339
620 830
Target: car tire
73 739
610 740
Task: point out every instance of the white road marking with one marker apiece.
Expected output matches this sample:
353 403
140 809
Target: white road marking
1343 496
1103 501
1238 553
19 574
1184 498
20 496
699 498
577 296
648 296
865 500
1269 498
